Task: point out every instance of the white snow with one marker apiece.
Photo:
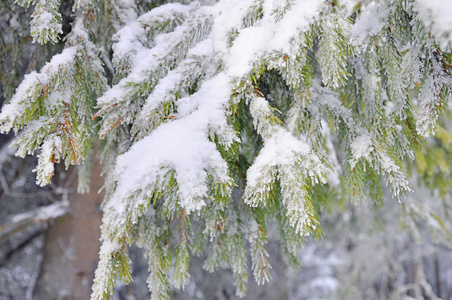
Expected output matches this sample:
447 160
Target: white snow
170 83
50 151
269 37
26 90
370 22
361 147
182 145
282 149
250 44
437 15
225 22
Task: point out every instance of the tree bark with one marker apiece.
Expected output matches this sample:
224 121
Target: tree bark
72 247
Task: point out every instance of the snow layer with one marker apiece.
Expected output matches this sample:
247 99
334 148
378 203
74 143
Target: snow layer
361 148
437 15
24 95
268 36
370 22
182 145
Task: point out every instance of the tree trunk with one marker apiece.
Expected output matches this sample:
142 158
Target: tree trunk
72 247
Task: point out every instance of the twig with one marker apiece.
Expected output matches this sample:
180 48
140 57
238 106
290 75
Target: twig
22 221
20 246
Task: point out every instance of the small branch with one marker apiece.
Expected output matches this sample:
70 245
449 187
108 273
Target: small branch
22 221
20 246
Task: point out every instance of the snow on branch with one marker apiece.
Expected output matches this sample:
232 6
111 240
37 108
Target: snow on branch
46 22
53 112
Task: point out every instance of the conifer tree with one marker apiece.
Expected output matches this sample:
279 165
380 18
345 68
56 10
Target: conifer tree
217 117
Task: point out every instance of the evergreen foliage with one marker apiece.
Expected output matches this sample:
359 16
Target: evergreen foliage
217 118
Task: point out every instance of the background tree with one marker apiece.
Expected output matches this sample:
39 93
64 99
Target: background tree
222 119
